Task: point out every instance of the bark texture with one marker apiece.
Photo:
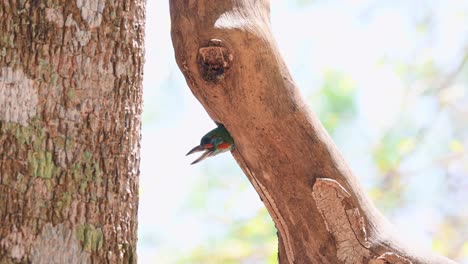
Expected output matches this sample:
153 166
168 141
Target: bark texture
231 63
70 105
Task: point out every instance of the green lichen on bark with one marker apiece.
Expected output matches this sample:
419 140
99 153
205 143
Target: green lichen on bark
31 139
90 237
86 170
63 165
25 135
42 165
63 203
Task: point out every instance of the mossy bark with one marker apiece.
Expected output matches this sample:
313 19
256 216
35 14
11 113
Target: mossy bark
70 106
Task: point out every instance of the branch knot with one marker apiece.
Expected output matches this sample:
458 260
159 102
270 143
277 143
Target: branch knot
214 60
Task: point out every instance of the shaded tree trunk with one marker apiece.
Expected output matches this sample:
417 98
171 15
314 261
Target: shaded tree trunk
230 60
70 105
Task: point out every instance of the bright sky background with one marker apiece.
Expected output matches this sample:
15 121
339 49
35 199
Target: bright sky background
351 36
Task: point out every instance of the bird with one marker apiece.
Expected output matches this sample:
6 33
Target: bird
213 143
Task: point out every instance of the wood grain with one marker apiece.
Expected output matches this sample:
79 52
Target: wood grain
280 144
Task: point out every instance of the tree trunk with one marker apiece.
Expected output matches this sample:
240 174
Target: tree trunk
230 60
70 105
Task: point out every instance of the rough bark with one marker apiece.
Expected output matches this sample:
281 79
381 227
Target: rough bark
70 104
228 56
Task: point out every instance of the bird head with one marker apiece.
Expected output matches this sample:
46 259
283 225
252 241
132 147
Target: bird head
214 142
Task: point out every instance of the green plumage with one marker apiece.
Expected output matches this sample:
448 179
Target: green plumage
213 143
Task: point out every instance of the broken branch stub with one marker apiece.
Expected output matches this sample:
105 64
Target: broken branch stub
214 60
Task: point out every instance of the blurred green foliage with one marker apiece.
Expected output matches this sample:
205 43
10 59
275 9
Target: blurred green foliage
415 165
388 152
248 241
335 100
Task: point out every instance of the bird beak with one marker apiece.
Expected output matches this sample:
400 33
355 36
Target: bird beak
203 156
195 149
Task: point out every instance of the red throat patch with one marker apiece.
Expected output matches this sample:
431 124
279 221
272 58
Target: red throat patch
224 145
208 146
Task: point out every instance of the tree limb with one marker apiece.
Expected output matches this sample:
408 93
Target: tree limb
229 58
